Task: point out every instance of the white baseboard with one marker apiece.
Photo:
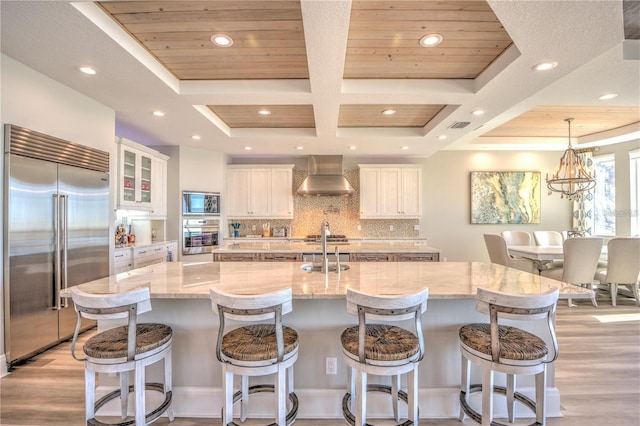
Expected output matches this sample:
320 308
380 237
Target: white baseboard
3 365
434 403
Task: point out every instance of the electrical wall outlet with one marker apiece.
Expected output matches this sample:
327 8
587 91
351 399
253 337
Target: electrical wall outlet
390 227
416 227
359 227
332 365
253 227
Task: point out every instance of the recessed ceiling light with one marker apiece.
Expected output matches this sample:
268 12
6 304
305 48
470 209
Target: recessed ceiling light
264 112
545 66
607 96
404 148
443 137
352 147
158 113
195 137
431 40
222 40
388 112
299 148
88 70
247 148
478 112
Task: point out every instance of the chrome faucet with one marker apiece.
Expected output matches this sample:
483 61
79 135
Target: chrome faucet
325 231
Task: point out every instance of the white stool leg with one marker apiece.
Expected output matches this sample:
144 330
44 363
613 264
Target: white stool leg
290 388
361 398
541 396
511 389
168 382
227 385
487 397
89 393
614 293
280 388
465 384
124 393
351 382
140 391
244 403
395 385
412 390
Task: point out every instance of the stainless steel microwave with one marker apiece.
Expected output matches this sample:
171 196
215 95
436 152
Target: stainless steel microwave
200 203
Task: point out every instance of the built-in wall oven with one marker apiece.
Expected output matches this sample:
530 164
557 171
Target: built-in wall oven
199 235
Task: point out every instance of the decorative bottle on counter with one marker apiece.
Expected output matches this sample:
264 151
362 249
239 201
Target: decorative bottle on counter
132 236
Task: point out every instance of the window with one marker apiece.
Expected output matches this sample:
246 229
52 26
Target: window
634 185
604 200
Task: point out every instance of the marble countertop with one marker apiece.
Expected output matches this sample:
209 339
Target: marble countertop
445 280
371 246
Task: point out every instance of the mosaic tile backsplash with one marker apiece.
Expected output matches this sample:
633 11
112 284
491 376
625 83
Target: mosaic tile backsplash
343 214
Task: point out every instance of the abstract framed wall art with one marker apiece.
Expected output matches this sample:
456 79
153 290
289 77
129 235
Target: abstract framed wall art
505 197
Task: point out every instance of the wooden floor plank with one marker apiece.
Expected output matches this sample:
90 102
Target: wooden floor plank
597 373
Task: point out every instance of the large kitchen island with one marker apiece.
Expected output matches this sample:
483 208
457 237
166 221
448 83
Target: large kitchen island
180 298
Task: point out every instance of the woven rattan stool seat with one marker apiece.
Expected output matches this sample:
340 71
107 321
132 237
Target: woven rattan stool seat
257 342
515 344
382 342
112 343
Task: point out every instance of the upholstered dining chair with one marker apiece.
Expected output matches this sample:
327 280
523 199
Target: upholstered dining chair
498 253
517 238
623 266
548 238
581 256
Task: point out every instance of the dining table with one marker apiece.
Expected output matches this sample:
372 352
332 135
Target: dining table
543 255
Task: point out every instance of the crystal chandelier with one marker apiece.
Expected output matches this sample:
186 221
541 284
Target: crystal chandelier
571 179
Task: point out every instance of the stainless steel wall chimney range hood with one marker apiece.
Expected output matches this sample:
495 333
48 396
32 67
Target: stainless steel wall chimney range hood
325 177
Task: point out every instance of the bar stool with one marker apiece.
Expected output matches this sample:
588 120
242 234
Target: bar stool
384 350
123 349
508 350
256 350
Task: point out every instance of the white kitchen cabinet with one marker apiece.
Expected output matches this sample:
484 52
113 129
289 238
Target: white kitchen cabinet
259 192
142 178
122 260
390 191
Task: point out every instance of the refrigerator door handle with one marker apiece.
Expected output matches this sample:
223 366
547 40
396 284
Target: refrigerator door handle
57 258
64 222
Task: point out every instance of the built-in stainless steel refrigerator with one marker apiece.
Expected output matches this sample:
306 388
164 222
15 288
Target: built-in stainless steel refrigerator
56 223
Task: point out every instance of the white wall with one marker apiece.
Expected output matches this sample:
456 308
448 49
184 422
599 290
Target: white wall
447 199
190 169
32 100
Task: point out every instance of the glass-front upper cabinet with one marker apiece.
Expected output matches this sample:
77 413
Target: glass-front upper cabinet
142 178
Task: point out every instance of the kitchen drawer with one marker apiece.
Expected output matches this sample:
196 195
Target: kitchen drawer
282 257
146 256
417 257
371 257
235 257
122 261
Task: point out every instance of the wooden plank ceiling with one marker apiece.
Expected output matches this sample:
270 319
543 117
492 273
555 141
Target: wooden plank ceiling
268 43
384 39
383 43
548 121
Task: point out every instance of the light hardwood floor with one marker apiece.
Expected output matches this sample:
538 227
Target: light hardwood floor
598 374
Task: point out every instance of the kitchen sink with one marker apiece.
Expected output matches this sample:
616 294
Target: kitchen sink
310 267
